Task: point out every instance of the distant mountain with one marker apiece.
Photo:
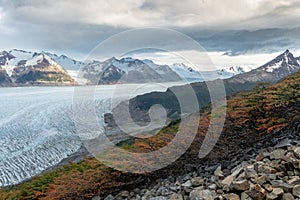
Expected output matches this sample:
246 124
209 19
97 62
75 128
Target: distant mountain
278 68
32 68
127 70
193 75
232 71
66 62
186 72
130 70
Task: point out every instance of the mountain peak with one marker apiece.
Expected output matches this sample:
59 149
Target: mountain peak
287 51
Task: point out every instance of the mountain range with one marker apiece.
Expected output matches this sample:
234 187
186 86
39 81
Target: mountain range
19 67
283 65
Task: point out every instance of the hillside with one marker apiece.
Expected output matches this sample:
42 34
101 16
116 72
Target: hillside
254 120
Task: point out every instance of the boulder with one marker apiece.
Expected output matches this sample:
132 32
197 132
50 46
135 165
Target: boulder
218 172
232 196
202 194
197 181
296 190
241 185
287 196
227 181
297 152
277 154
257 192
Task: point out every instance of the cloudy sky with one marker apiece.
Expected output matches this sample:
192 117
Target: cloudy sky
233 32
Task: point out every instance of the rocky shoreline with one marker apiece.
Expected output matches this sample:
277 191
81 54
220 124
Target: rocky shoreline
270 170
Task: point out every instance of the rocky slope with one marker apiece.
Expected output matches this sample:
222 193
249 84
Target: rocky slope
273 173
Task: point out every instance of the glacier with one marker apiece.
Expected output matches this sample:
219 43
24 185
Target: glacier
37 129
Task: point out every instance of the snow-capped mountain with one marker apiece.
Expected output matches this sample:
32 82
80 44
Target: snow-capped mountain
66 62
233 70
278 68
18 66
127 70
26 67
186 72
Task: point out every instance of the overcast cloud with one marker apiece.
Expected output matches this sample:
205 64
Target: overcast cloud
74 27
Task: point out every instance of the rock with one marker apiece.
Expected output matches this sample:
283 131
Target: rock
202 194
275 194
158 198
297 152
98 198
250 172
257 192
124 194
271 196
237 170
261 179
272 176
218 172
296 164
212 186
266 169
197 181
287 196
245 196
241 185
283 143
286 187
294 181
260 156
268 187
296 190
109 197
278 191
227 181
276 183
187 184
175 197
232 196
277 154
